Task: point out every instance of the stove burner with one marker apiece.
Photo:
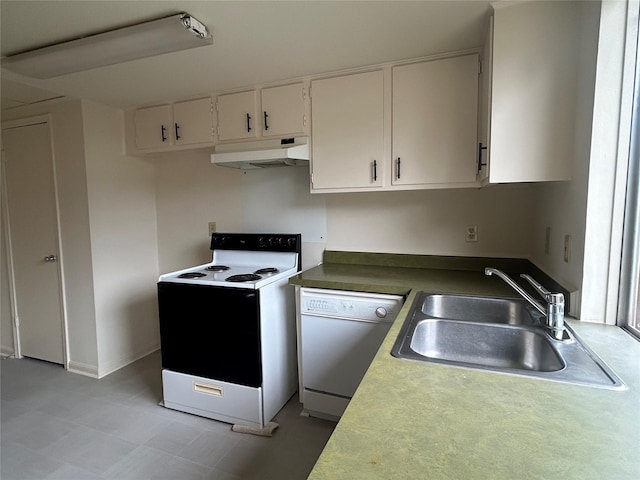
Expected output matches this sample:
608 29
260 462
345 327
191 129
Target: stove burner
192 275
264 271
244 277
218 268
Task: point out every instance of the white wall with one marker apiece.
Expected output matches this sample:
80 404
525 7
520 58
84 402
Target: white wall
122 216
562 205
613 101
432 222
108 237
66 126
192 192
278 200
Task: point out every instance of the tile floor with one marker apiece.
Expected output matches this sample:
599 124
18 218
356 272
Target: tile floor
60 425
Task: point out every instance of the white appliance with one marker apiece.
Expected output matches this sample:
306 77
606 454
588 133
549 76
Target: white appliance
291 152
340 333
227 330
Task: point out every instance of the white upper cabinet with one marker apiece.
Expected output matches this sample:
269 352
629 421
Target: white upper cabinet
429 141
192 122
534 91
434 127
153 127
163 127
283 110
237 116
282 113
347 132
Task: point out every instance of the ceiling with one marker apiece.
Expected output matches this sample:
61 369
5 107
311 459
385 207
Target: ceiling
254 43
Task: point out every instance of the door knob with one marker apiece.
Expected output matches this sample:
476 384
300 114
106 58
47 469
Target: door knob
50 258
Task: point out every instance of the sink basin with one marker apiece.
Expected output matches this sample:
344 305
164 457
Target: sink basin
485 344
480 309
498 335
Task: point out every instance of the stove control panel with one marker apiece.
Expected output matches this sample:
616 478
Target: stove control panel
267 242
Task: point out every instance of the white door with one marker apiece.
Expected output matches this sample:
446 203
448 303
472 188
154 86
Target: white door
33 231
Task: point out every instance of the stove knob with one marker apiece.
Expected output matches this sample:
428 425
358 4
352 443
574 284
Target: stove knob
381 312
262 242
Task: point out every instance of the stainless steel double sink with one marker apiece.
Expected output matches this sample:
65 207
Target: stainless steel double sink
497 334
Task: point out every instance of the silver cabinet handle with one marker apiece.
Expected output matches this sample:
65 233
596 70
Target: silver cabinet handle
50 258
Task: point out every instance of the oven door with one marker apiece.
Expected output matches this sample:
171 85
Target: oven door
211 332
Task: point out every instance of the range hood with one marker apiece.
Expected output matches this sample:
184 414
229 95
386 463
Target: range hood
289 152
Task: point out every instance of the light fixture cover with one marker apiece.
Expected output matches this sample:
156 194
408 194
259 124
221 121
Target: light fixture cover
164 35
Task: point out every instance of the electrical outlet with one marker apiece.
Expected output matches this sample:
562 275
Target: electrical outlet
567 248
547 240
212 228
471 234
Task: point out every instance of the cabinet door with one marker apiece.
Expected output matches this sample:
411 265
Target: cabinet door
153 127
237 116
347 131
535 79
192 122
484 105
283 110
435 115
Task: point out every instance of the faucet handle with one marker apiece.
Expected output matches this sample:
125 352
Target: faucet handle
553 298
539 288
556 299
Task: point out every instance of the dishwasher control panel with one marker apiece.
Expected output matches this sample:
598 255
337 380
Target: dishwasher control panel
351 305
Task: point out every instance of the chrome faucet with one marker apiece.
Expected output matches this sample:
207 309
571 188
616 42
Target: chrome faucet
554 311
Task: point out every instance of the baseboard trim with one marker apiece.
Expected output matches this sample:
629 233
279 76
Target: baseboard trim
6 351
121 363
83 369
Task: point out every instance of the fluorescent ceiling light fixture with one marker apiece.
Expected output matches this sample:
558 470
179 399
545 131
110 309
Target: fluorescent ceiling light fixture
164 35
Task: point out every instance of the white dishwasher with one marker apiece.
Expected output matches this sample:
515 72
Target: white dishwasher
340 333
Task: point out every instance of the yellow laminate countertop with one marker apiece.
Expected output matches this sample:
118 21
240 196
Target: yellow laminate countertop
419 420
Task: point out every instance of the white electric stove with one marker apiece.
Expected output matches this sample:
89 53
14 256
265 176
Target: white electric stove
227 330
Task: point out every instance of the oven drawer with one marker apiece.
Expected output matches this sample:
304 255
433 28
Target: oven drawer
214 399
